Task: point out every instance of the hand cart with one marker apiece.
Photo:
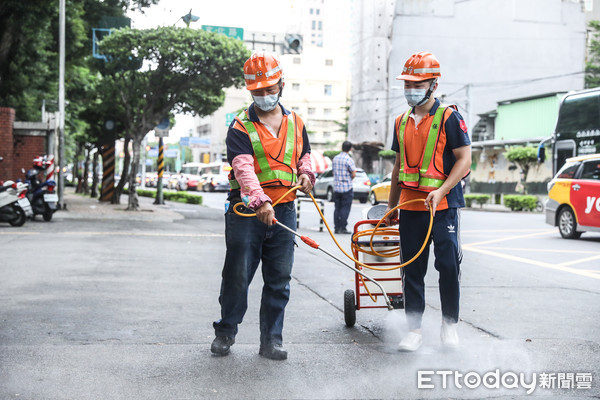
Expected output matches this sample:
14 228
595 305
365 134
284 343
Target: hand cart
390 280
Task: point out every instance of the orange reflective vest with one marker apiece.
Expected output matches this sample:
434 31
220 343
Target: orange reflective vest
428 175
275 163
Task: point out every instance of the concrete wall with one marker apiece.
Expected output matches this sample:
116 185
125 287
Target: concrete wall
371 46
490 173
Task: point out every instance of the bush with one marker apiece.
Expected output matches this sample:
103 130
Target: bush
331 153
389 154
480 199
182 197
520 202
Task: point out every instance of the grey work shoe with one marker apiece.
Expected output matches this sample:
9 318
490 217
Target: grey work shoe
220 346
273 352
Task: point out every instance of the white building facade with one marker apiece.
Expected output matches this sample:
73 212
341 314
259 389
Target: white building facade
317 81
489 51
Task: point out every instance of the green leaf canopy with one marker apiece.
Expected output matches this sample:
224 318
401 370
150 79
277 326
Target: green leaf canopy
158 71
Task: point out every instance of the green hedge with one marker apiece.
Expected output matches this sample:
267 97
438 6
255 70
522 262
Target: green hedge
182 197
480 199
331 153
520 202
391 154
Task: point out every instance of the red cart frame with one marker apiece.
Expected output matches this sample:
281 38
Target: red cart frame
391 279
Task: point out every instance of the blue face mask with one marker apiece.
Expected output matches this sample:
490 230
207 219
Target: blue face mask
414 97
266 103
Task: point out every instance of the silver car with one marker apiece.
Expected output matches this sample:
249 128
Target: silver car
324 185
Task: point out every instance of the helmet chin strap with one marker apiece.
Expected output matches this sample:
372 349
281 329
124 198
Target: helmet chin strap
428 94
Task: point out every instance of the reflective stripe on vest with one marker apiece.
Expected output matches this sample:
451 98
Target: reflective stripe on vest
420 176
267 174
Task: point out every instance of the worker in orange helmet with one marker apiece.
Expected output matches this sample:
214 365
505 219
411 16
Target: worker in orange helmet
269 151
433 155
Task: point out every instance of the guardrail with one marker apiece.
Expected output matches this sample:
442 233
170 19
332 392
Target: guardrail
321 206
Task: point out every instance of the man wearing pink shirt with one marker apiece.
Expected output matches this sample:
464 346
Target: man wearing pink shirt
268 148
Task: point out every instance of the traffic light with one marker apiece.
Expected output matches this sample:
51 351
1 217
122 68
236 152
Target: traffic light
292 43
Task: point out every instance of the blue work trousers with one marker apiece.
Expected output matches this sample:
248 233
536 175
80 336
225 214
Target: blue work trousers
249 242
448 256
343 204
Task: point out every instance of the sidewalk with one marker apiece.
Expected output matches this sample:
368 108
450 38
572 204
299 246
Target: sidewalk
488 207
79 206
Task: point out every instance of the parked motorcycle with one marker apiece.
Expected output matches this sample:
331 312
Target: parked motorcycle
41 195
14 205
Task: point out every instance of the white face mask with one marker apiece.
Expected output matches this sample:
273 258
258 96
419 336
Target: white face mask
266 103
414 96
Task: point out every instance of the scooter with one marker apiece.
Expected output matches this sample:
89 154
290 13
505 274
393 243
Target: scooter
14 205
41 195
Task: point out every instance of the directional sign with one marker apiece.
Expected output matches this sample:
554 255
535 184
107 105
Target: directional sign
229 117
236 33
161 132
194 142
168 153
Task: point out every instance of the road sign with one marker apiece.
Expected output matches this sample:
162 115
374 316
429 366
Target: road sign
236 33
228 118
161 132
195 142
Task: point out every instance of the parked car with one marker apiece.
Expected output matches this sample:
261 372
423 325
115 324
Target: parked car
216 183
574 197
360 184
381 191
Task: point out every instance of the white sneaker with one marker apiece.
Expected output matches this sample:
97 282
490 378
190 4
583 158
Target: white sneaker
411 342
449 335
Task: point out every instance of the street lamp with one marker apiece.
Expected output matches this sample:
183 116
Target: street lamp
187 18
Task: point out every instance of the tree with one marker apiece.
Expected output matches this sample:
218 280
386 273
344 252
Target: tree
592 66
525 158
29 47
167 70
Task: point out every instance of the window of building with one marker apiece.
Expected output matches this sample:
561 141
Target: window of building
318 11
327 111
327 90
314 24
329 62
311 111
320 25
295 86
311 11
296 60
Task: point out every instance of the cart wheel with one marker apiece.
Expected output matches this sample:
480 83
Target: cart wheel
349 308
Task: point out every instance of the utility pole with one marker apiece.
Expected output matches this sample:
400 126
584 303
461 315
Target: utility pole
469 109
61 105
161 168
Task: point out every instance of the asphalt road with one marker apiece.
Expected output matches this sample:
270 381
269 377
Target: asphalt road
118 308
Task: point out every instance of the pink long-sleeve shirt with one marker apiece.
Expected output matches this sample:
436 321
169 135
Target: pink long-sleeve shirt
243 168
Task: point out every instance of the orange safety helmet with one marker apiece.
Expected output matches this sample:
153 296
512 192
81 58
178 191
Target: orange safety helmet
262 70
420 67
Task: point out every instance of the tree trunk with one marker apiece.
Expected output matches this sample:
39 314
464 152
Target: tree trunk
76 170
134 204
95 175
85 188
124 173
